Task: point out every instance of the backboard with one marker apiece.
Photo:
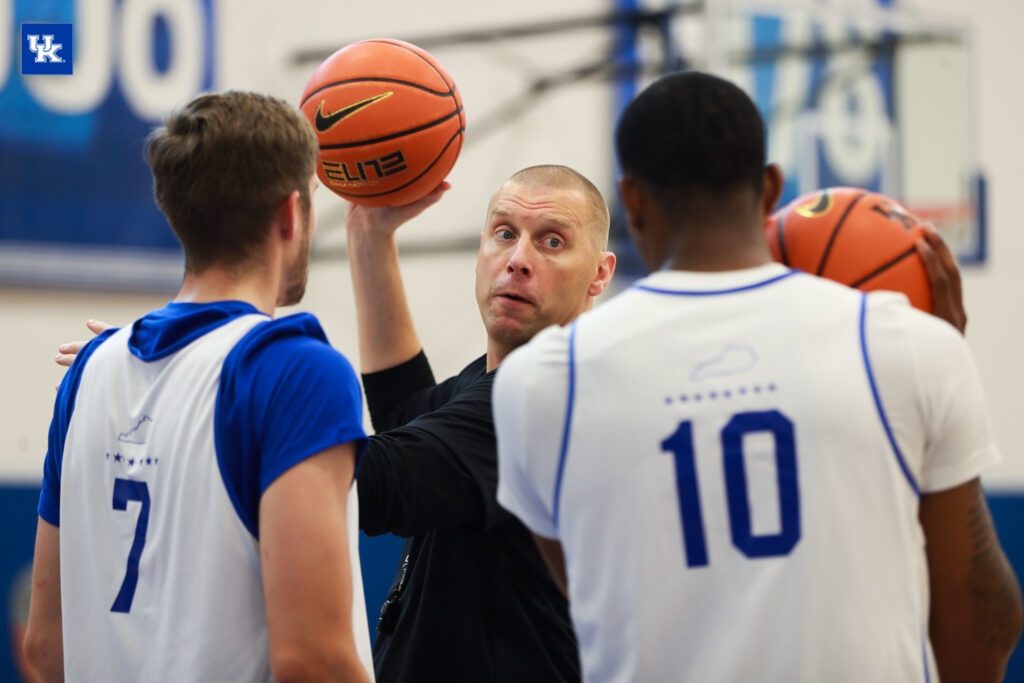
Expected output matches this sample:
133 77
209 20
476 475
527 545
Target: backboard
861 95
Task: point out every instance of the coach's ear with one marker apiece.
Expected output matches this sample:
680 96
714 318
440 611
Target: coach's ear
773 182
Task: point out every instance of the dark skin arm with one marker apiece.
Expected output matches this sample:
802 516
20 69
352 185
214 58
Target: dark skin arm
551 551
944 278
976 612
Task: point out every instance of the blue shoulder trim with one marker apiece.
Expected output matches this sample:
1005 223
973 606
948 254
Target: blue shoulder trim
284 395
715 292
878 400
64 407
568 425
165 331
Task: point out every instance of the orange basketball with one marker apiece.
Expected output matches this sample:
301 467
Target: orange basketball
389 120
859 238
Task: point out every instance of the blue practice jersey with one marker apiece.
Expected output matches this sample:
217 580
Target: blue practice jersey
164 437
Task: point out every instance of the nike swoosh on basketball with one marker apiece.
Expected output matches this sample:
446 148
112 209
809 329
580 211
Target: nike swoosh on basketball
324 122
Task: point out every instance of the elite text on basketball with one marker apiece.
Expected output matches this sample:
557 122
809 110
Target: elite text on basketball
389 164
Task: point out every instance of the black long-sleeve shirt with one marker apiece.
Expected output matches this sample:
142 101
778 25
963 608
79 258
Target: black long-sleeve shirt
472 598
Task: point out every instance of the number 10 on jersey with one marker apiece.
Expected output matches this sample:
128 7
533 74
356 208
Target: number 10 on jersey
754 546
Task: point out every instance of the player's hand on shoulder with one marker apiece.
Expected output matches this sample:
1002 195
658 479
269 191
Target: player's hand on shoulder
66 352
944 278
384 220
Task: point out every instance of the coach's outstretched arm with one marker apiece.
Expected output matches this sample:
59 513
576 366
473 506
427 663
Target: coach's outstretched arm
307 573
67 351
386 333
975 598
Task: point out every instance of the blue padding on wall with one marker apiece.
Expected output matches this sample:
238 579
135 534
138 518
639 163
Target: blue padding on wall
379 556
18 538
1008 514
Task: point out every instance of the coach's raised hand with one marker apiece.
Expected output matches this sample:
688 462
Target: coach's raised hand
66 352
384 220
386 333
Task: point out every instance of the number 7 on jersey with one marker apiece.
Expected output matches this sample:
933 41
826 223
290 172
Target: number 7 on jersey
125 490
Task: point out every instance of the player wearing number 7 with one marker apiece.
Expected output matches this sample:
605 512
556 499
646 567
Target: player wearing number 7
198 519
747 473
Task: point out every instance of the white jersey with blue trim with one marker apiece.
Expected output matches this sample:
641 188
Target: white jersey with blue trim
160 570
732 463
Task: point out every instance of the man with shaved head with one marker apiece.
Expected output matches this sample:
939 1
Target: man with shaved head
472 598
572 223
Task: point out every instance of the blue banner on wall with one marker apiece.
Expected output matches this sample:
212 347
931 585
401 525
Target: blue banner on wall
76 203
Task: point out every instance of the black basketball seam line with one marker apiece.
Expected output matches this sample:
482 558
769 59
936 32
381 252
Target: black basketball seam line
462 139
400 134
884 267
835 233
782 242
402 187
375 79
451 86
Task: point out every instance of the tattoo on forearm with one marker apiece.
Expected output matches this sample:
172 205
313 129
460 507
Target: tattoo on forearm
991 583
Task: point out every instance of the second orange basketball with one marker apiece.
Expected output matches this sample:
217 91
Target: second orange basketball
859 238
389 120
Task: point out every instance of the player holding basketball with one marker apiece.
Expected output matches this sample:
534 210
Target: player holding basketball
743 472
198 517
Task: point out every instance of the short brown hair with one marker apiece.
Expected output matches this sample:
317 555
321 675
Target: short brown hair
221 167
562 177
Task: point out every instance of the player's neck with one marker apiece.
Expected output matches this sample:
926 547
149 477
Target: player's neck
719 248
258 288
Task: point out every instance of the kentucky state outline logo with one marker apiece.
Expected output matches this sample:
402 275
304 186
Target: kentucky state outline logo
46 49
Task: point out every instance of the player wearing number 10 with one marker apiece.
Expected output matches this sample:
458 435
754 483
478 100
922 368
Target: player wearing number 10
747 473
198 519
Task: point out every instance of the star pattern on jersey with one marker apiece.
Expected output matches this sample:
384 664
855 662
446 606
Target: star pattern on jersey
132 461
722 393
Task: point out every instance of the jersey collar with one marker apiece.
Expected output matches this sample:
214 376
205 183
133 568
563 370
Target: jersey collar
723 282
176 325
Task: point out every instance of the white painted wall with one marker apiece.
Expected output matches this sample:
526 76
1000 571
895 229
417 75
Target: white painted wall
571 127
995 330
